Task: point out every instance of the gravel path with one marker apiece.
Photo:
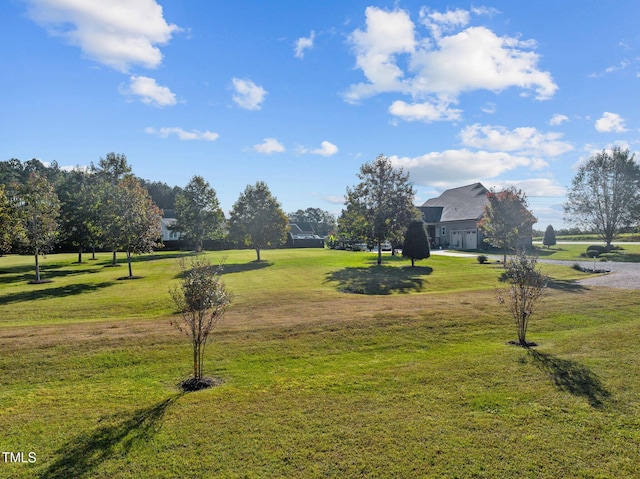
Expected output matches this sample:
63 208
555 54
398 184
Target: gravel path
622 275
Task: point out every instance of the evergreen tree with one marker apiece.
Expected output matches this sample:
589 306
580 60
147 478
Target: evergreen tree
549 237
416 242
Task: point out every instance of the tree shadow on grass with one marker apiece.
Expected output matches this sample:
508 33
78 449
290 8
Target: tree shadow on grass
20 274
82 454
572 377
379 280
238 268
568 286
58 292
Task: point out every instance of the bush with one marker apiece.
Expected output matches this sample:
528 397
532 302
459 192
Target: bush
598 248
482 259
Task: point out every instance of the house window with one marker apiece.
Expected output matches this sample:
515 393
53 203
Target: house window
444 231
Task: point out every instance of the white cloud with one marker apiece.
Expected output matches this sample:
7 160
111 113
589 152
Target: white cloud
558 119
610 122
524 140
117 33
303 44
326 149
395 59
268 146
439 22
150 92
183 134
489 108
426 111
535 187
248 95
455 167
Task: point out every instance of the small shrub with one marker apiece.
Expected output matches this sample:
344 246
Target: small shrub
482 259
599 249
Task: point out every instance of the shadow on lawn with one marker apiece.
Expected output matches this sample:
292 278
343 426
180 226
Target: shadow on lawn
60 291
380 280
572 377
24 273
85 452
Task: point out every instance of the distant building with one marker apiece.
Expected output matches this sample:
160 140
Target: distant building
303 238
167 221
453 216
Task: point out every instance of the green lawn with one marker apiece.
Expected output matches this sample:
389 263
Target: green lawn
332 367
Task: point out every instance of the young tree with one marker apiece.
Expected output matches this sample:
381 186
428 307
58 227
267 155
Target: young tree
257 219
526 288
506 219
40 208
381 205
198 212
549 237
605 194
416 242
202 299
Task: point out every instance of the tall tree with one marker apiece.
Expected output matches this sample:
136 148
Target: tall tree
506 219
381 206
416 242
549 237
257 219
202 299
40 208
109 172
79 200
139 219
11 230
198 212
605 194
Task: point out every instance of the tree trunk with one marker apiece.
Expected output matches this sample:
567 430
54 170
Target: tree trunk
113 261
129 261
258 253
412 262
79 254
379 252
37 267
93 252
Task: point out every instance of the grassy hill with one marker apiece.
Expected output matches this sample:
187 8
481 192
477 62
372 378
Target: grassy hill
332 367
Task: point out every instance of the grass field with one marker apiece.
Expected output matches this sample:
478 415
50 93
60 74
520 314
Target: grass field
332 367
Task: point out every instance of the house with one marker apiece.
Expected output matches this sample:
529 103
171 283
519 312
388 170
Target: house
453 216
167 221
303 238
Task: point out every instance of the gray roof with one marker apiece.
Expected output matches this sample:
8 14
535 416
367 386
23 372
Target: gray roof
456 204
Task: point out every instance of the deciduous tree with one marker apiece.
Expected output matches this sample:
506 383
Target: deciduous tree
506 219
139 225
605 194
202 299
11 229
526 288
198 212
416 242
380 207
39 211
257 219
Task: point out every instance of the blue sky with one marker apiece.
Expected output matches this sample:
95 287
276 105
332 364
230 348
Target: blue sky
301 93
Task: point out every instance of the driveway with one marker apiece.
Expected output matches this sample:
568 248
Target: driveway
621 275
